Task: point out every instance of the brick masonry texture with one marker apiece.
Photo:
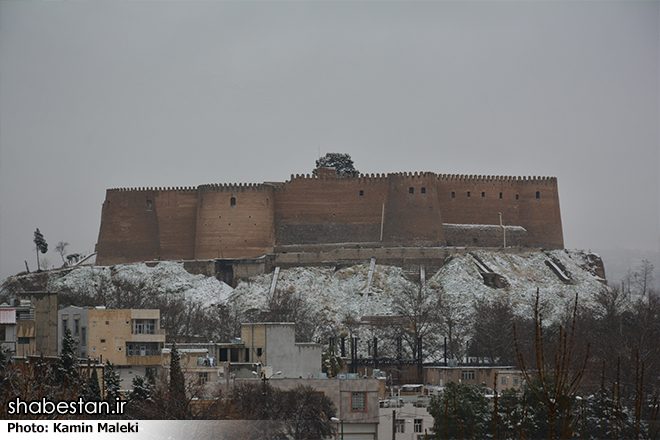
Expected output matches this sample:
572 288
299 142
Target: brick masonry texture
400 209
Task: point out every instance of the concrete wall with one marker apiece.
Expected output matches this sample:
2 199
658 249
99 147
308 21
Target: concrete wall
45 315
280 351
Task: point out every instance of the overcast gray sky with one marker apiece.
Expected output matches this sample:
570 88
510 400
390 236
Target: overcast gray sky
95 95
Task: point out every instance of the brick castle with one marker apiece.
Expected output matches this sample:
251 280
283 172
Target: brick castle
416 210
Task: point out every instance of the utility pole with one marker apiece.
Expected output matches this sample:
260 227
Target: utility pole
394 423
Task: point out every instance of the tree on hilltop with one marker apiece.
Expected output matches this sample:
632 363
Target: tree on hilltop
341 162
41 245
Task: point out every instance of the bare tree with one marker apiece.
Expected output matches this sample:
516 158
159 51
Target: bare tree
60 248
643 277
492 336
419 307
555 381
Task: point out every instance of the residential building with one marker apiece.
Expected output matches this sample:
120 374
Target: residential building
273 344
507 376
356 403
28 324
125 337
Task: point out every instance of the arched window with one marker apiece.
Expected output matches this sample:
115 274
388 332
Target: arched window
232 201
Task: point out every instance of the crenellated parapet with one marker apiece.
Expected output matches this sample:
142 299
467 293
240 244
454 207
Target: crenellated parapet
235 187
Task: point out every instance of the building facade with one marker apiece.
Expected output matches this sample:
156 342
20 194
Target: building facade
122 336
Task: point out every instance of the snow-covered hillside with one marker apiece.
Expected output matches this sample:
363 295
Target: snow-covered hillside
336 294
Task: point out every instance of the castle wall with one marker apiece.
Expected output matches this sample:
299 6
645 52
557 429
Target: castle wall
234 221
329 209
245 221
412 212
147 224
129 229
484 235
480 199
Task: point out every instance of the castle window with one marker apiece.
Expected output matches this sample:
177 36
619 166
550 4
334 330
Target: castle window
500 195
468 194
423 190
538 194
483 194
361 193
453 194
232 201
411 190
517 196
149 205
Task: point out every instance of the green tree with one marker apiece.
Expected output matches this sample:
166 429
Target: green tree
460 411
66 373
112 382
41 245
92 390
177 403
341 162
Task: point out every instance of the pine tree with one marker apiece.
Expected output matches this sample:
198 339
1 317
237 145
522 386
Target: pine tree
92 391
67 373
112 380
141 390
41 245
177 403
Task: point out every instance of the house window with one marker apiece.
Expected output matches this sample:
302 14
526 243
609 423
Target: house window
144 326
65 323
400 425
453 194
515 381
538 194
500 195
259 352
232 201
359 402
23 340
223 355
468 193
247 355
483 194
202 377
76 327
361 193
142 349
504 380
423 190
83 335
411 190
467 375
102 341
418 425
